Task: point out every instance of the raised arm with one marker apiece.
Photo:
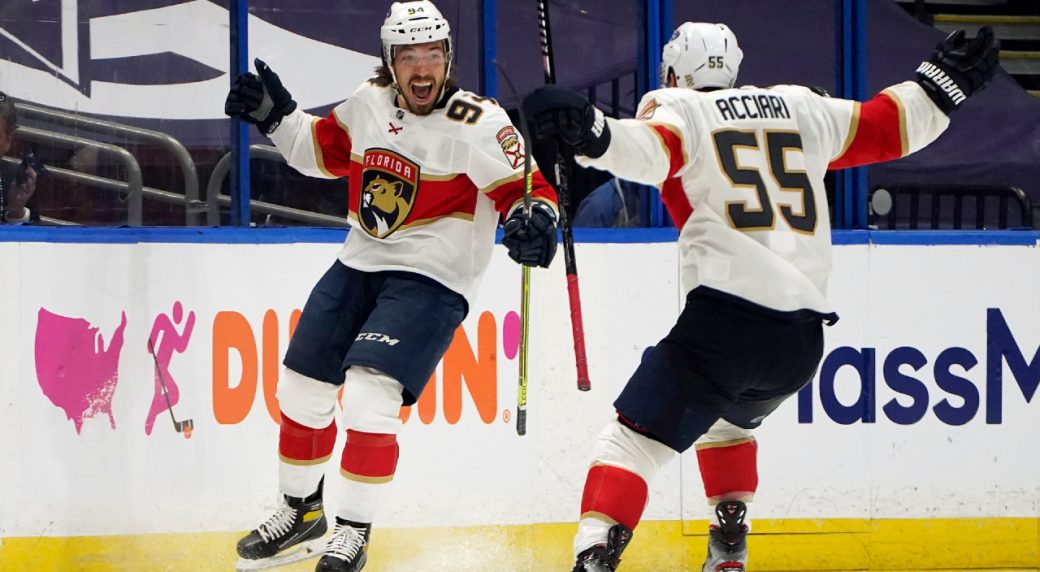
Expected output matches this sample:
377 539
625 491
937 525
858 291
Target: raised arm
317 147
908 116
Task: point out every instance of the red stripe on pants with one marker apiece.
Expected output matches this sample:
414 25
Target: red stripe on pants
370 454
302 443
731 469
616 493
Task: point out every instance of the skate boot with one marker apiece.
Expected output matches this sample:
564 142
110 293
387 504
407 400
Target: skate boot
605 558
292 534
347 550
727 540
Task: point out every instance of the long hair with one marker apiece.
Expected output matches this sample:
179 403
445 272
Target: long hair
7 112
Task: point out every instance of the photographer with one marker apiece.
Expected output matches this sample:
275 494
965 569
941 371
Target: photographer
17 184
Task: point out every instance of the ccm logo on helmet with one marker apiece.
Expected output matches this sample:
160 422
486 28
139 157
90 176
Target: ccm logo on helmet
422 29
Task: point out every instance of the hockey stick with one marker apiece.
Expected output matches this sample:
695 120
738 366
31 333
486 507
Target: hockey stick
525 276
577 328
180 426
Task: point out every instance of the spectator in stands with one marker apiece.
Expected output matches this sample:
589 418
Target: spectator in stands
616 203
17 184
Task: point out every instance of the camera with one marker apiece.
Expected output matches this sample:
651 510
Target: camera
30 160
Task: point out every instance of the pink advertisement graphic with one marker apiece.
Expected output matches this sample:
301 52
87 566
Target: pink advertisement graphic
73 367
167 394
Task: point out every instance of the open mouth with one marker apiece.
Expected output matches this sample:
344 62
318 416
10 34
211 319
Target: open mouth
423 91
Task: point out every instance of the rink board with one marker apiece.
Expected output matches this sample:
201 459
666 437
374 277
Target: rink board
919 423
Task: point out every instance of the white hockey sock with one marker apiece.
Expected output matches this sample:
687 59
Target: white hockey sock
591 531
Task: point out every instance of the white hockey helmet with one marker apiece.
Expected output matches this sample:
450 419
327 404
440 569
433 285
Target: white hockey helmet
410 23
702 55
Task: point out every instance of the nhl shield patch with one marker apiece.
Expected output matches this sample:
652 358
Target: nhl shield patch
511 146
389 183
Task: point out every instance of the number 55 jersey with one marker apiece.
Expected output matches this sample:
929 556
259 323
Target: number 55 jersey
426 191
741 172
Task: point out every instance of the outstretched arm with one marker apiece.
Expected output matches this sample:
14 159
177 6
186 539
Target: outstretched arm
908 116
630 149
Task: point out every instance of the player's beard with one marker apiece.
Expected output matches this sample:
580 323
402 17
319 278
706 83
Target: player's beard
426 104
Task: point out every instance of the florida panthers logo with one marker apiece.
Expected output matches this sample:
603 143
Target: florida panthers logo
388 188
511 146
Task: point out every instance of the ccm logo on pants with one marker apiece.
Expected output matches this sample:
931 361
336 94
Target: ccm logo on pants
383 338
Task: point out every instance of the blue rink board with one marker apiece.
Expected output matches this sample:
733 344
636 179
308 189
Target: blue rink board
229 235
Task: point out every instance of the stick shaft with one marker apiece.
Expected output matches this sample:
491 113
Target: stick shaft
562 185
525 277
162 382
525 315
547 52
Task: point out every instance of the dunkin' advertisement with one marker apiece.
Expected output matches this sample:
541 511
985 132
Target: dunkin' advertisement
138 389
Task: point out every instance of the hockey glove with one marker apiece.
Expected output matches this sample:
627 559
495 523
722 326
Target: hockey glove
959 68
260 100
566 115
531 242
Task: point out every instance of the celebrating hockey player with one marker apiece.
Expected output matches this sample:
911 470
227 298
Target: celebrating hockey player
431 170
741 173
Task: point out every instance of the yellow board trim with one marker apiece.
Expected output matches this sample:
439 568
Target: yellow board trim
774 545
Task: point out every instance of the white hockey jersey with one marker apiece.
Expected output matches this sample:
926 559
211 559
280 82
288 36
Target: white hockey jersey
426 191
741 172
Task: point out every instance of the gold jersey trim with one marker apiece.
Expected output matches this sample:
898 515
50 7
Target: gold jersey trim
853 129
363 479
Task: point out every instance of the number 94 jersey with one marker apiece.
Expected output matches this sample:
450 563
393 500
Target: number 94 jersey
741 173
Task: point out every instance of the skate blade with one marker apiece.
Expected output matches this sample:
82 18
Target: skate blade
300 552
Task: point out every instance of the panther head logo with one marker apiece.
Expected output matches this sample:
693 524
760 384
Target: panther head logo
384 196
388 189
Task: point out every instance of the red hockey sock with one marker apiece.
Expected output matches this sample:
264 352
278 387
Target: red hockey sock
729 469
616 493
369 457
302 445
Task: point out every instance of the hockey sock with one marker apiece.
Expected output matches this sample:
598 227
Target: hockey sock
302 452
615 493
729 469
367 466
616 486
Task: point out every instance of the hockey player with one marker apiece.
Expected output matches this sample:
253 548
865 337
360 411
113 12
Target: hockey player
431 169
741 172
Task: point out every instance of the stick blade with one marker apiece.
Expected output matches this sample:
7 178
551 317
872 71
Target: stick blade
185 427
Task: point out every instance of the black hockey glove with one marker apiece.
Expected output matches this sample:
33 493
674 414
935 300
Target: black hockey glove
260 100
531 243
566 115
959 68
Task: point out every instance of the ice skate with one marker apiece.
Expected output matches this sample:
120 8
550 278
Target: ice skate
293 533
727 540
605 558
347 550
